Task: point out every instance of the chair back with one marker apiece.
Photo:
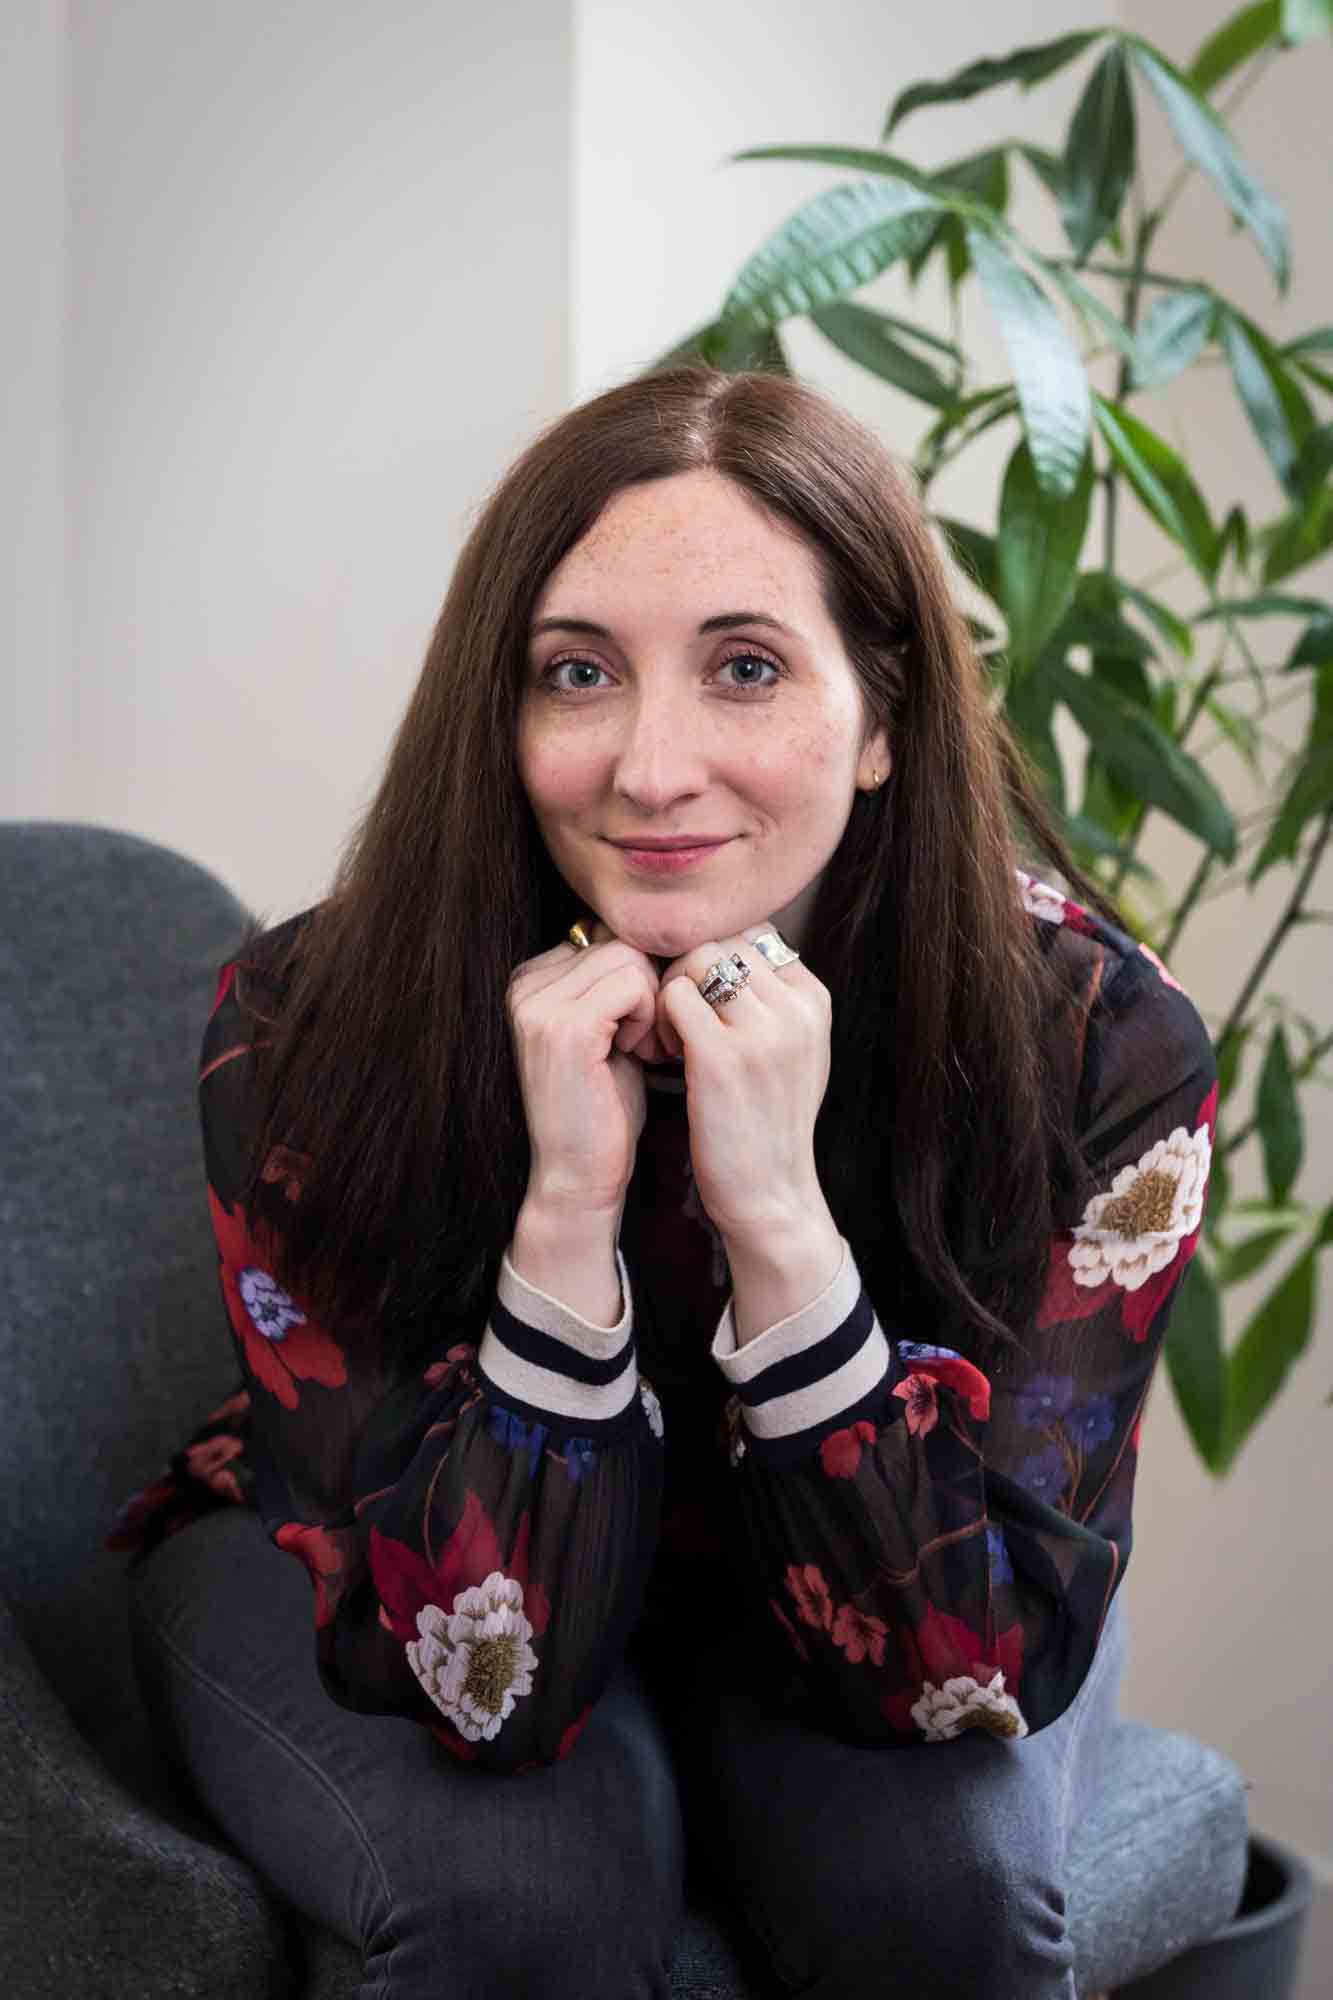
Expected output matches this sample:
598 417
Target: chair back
112 1339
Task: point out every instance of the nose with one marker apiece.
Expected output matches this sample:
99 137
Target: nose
662 756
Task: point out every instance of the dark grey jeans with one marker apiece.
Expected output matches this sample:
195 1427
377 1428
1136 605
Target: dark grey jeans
908 1871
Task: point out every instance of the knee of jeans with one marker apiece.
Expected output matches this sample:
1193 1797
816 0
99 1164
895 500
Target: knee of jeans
984 1923
560 1935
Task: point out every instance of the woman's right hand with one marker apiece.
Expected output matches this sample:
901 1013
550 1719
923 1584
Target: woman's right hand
573 1015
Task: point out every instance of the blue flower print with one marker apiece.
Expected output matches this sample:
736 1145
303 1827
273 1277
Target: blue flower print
1001 1569
1093 1424
916 1350
1045 1474
1045 1398
579 1456
514 1434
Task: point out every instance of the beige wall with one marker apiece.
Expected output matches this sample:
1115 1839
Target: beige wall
298 295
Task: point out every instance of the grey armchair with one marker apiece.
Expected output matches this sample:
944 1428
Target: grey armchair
112 1349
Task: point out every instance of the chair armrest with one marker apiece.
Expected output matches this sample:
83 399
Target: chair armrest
103 1896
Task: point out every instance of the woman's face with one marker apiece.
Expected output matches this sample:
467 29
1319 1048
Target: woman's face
714 699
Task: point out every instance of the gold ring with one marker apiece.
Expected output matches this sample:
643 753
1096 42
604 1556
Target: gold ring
578 936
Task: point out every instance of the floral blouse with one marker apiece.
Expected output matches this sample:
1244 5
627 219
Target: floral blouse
916 1550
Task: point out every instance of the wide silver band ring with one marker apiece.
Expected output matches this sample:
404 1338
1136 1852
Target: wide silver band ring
773 947
724 980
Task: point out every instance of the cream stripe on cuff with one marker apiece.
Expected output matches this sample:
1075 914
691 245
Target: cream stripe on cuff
791 1335
537 1308
561 1395
783 1416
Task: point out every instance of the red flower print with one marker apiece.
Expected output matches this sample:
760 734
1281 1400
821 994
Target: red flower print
207 1461
236 1405
840 1453
286 1166
963 1377
226 980
324 1551
918 1392
574 1731
943 1647
282 1344
858 1635
790 1629
814 1605
406 1581
440 1371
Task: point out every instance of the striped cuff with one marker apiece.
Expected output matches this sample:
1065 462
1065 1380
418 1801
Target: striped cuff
812 1373
544 1361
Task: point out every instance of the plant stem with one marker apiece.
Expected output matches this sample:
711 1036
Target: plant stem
1289 916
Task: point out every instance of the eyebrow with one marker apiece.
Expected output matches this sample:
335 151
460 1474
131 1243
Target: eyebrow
724 621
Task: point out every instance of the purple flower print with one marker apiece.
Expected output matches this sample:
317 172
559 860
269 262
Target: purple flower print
1045 1473
1093 1424
1001 1569
1045 1399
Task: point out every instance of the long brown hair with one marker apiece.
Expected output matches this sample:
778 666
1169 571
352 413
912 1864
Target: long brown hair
944 1144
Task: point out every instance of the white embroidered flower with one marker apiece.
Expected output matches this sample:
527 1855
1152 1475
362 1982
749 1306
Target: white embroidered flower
964 1703
271 1309
474 1662
652 1408
1040 899
1132 1230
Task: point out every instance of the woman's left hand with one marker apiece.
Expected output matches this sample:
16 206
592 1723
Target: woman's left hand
756 1070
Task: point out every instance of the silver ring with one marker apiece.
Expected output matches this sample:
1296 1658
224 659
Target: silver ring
773 947
724 980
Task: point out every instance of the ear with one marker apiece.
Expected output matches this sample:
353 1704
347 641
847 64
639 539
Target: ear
875 762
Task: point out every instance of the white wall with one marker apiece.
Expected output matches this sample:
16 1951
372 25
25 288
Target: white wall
318 295
303 280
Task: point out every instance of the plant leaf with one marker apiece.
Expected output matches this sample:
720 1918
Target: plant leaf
1174 333
1314 648
1274 401
1195 1359
1048 167
1099 153
1269 604
867 338
1174 630
975 553
1149 763
1089 306
831 245
1023 66
1314 461
1278 1114
1163 483
1040 541
1048 370
1242 1260
721 344
1311 788
1303 19
1318 341
1204 139
1275 1338
1298 537
1235 42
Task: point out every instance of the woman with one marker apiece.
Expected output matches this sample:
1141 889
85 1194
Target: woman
695 1314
